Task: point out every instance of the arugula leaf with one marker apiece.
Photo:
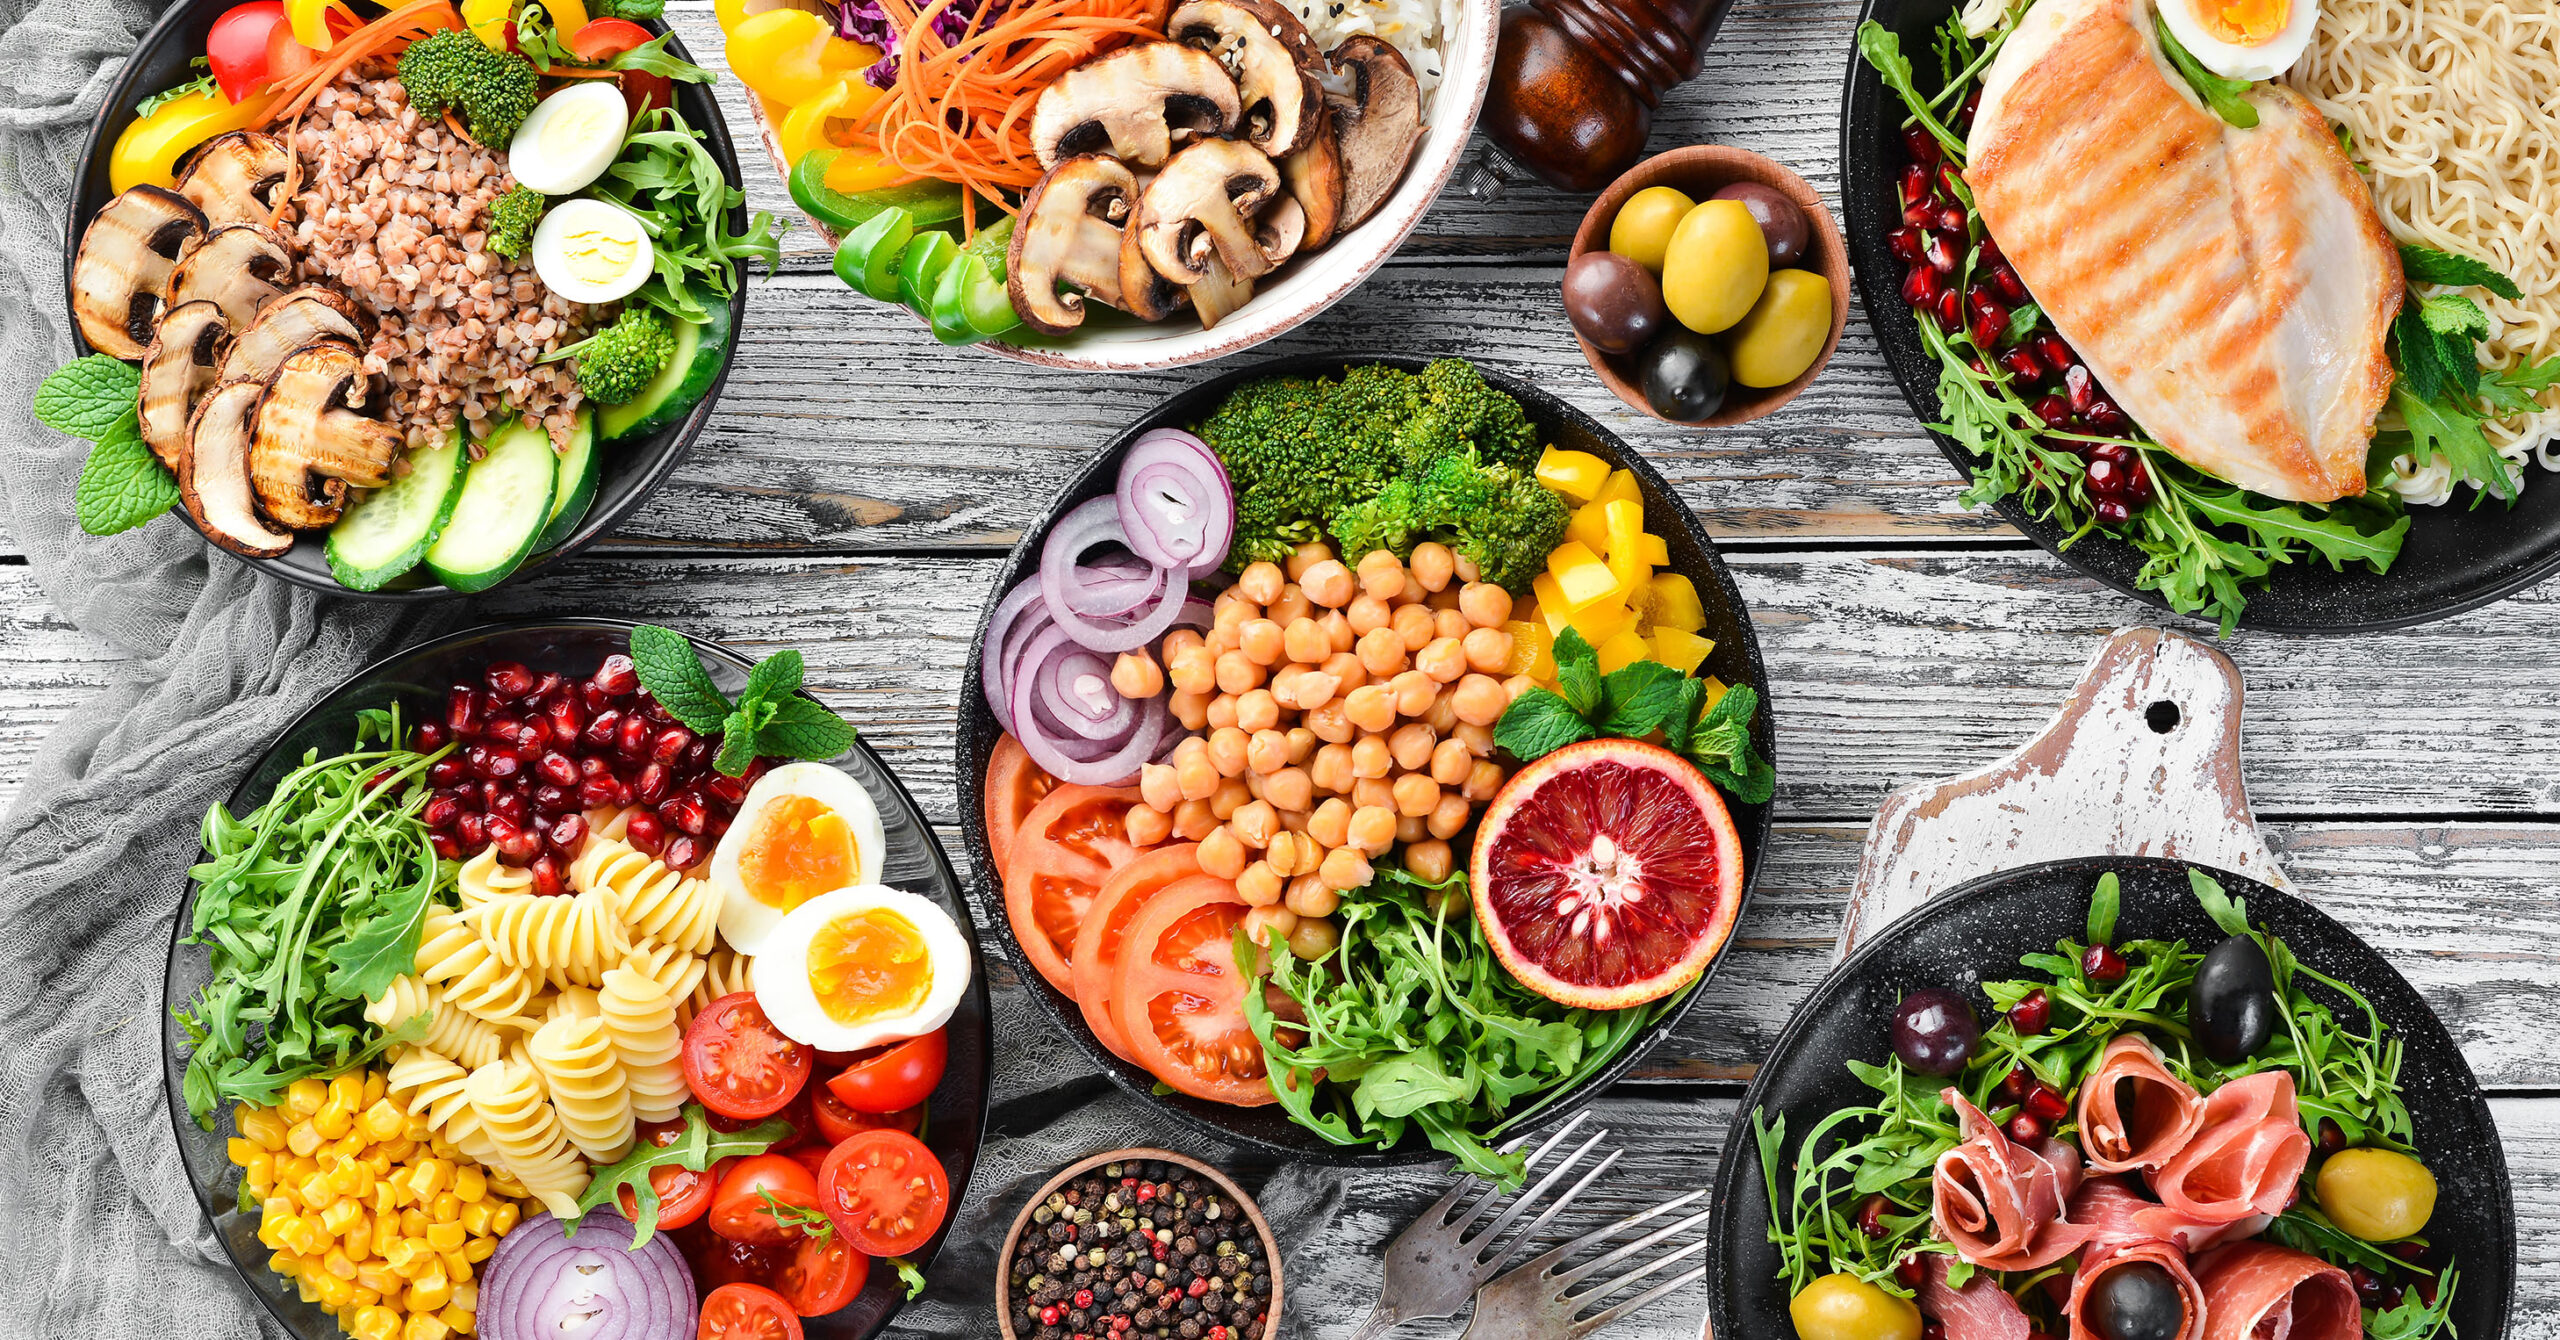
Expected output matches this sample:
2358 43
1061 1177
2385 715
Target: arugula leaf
673 674
1539 723
2435 431
2022 323
2427 265
809 1219
203 83
909 1276
86 397
2305 1229
123 485
2415 1318
2227 97
1577 672
2513 390
363 966
2231 914
652 57
803 728
696 1149
1882 50
2104 902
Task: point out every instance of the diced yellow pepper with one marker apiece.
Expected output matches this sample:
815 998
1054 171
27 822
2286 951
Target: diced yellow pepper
1716 689
1656 552
1599 622
1581 577
1624 649
1622 484
567 16
810 125
487 20
1679 649
1674 601
1590 525
1532 650
1576 474
1622 525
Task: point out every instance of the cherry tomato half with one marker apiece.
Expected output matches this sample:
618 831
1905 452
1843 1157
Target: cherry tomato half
235 48
896 1079
603 39
747 1312
757 1196
821 1275
683 1194
838 1123
886 1191
739 1064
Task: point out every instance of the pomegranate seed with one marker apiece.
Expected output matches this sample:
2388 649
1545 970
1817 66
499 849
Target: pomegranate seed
718 827
1921 145
447 846
1950 310
646 833
2053 410
1910 1272
1980 298
683 853
547 683
473 828
534 732
549 799
429 737
558 769
1922 215
2004 277
1920 286
1871 1215
595 792
595 699
501 765
568 719
621 791
617 675
2106 480
447 771
462 710
1905 244
591 766
2025 1129
514 845
2021 364
547 879
2045 1102
2104 417
697 755
2016 1083
2102 963
1950 182
2118 452
2079 387
1951 220
2056 354
508 680
1988 328
1941 253
729 791
2334 1138
2031 1015
2137 485
2111 511
655 780
755 772
1915 184
670 744
441 812
568 833
500 731
1971 105
631 738
602 729
684 813
510 806
1989 250
1933 1330
657 711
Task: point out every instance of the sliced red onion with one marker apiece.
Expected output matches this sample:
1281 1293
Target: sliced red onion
1111 589
1075 687
1226 482
1120 766
1173 502
543 1285
995 661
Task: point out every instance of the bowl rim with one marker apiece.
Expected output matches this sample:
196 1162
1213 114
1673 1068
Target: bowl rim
122 95
1252 1211
1753 822
172 1067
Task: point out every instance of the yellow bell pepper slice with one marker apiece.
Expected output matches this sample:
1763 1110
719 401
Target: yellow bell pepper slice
1681 651
310 21
1599 623
806 125
1576 474
1532 651
487 20
856 171
1622 650
1621 484
1581 578
147 152
1657 552
1590 525
791 56
567 16
1674 601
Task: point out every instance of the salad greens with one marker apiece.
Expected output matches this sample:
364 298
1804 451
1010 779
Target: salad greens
2443 392
310 904
1632 702
769 720
666 176
2229 98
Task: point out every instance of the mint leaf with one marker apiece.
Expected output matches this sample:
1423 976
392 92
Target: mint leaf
2454 314
1721 747
803 728
737 745
673 674
123 485
775 677
1577 672
2104 902
1639 698
86 396
2227 97
1678 727
1537 723
2426 265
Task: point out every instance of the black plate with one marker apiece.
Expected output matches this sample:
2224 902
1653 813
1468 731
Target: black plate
956 1118
631 471
2456 557
1978 931
1736 660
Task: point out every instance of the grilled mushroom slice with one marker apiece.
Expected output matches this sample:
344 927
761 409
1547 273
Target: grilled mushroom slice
238 266
1070 234
1145 294
120 281
238 178
213 473
177 369
1204 201
1218 296
1378 122
290 320
1273 60
1314 174
1134 104
316 434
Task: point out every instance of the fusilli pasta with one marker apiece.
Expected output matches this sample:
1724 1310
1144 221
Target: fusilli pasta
676 971
431 1086
642 1022
475 980
583 1072
508 1098
570 941
726 972
654 901
484 877
473 1042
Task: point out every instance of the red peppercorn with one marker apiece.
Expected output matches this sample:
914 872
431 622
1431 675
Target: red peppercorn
1084 1298
1197 1287
2101 963
2033 1014
1049 1315
1146 1192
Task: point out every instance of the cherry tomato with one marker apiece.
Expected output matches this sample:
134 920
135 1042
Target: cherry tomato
821 1275
886 1191
796 1114
811 1156
235 48
755 1199
1097 949
747 1312
896 1079
642 90
683 1194
603 39
1180 995
1015 787
838 1123
1066 849
739 1064
717 1260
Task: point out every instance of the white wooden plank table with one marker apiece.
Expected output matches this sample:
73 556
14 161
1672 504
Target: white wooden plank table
859 481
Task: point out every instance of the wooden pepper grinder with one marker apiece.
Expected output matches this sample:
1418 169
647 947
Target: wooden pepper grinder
1575 83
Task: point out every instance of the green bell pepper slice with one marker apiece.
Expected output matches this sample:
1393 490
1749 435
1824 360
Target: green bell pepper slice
867 259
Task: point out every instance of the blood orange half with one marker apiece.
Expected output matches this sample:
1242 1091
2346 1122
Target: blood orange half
1607 874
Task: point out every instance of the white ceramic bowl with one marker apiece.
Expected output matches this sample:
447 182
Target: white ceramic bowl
1308 284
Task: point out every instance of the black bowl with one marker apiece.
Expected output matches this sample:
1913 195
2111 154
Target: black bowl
1978 931
2456 557
956 1119
630 472
1736 660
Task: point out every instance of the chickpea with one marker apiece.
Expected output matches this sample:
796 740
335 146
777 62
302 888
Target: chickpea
1442 601
1226 750
1191 709
1282 853
1488 652
1483 780
1450 762
1450 816
1328 585
1230 612
1411 744
1221 853
1448 623
1331 768
1135 674
1416 794
1268 926
1253 825
1337 630
1414 691
1221 641
1313 938
1347 671
1366 613
1266 752
1315 688
1147 825
1343 868
1158 786
1444 659
1194 669
1302 744
1382 652
1370 757
1289 789
1259 640
1292 605
1192 820
1372 793
1373 829
1465 569
1307 556
1330 823
1478 739
1485 604
1330 724
1305 642
1516 685
1414 626
1260 582
1194 775
1480 699
1231 795
1433 565
1259 885
1294 821
1222 711
1411 828
1369 707
1257 710
1381 574
1443 715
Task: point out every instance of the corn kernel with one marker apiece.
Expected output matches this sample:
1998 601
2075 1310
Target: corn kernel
302 1139
404 1255
333 1120
292 1168
381 1160
240 1151
428 1177
402 1147
262 1126
347 1090
304 1097
271 1222
315 1191
364 1298
505 1184
333 1291
503 1220
457 1267
376 1084
302 1286
478 1249
337 1264
459 1318
428 1295
342 1179
413 1222
445 1208
475 1217
446 1236
383 1121
350 1145
378 1276
466 1295
424 1328
376 1323
341 1216
469 1182
260 1173
418 1128
386 1231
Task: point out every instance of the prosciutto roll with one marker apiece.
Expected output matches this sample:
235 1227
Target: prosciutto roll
2001 1203
2115 1214
2246 1158
2260 1289
2102 1261
1981 1310
2134 1115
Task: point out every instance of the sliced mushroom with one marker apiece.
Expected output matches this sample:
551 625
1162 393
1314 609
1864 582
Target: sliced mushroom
1134 104
1281 230
238 266
1204 201
1145 294
1314 174
177 369
1378 122
120 281
1218 296
213 473
1272 58
238 178
1069 234
316 434
289 321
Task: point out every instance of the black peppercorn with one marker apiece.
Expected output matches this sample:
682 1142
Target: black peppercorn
1201 1265
1261 1286
1191 1329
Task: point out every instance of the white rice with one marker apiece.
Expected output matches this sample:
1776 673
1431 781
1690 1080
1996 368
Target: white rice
1412 27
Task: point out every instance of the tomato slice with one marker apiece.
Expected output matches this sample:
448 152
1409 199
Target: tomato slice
1180 995
235 47
757 1198
838 1123
739 1064
1015 787
896 1079
821 1275
747 1312
683 1194
886 1191
601 40
1097 949
1065 851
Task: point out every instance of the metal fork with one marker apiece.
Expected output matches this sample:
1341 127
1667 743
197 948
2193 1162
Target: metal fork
1536 1301
1435 1266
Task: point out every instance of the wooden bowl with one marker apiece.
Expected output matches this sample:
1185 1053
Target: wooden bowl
1225 1184
1699 171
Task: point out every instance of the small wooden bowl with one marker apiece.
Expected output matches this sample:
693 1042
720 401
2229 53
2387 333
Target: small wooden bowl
1226 1185
1699 171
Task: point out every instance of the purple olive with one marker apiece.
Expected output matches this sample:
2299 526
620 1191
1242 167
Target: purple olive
1934 1031
1781 222
1613 302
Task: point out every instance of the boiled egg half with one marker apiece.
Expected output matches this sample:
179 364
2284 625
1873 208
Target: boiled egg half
2243 39
861 966
589 250
803 830
570 138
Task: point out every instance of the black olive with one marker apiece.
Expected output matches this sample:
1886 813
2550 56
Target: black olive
1685 376
2136 1301
1934 1031
2232 1004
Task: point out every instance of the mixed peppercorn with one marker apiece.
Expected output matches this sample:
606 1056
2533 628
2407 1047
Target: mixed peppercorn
1139 1249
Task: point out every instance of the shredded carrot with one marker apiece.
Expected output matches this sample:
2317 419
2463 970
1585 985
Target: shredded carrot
579 72
386 35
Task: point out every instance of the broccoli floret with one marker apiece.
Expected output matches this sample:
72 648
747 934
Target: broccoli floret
1459 411
1510 537
1297 451
510 220
452 69
1388 521
615 363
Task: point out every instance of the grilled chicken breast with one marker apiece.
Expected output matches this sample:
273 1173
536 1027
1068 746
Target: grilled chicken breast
2230 288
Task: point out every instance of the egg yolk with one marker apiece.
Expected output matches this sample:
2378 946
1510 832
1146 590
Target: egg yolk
869 965
799 849
2245 23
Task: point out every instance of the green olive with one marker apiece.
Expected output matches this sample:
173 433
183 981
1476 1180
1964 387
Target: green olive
1844 1307
1642 231
2377 1194
1716 267
1785 331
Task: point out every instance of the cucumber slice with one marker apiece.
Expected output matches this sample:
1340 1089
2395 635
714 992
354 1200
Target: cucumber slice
506 502
580 469
388 531
701 348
